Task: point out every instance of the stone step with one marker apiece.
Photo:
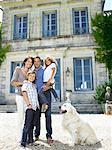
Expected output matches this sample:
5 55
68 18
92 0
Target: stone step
81 108
8 108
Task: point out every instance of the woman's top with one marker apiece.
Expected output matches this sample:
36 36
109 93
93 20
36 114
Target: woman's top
18 76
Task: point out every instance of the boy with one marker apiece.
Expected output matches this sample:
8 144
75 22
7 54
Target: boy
29 93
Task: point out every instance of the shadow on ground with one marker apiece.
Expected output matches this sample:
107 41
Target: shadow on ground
60 146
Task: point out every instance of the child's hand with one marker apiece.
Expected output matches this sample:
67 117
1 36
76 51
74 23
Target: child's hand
29 106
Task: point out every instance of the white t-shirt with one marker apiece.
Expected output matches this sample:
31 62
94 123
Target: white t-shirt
48 72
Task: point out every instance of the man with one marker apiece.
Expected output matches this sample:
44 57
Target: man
39 83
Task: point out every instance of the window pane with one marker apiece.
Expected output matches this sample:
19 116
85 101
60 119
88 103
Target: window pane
53 28
83 13
53 21
76 13
83 19
76 20
53 16
25 19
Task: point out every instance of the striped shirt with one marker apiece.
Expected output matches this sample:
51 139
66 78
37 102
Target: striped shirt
30 88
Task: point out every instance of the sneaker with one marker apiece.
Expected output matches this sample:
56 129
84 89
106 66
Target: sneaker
50 141
44 107
23 145
36 138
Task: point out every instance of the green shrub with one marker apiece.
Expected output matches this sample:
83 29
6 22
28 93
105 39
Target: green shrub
99 95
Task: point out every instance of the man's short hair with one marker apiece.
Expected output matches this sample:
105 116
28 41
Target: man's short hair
38 58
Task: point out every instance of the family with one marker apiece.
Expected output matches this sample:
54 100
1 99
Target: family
33 89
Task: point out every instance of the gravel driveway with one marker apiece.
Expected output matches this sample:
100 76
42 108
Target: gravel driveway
102 124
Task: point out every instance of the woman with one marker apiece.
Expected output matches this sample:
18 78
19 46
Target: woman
19 76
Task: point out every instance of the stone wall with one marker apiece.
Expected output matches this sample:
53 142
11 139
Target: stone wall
65 45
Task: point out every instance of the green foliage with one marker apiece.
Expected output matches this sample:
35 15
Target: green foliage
99 95
102 32
3 49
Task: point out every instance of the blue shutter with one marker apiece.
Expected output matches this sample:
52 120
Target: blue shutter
54 24
15 27
25 19
43 24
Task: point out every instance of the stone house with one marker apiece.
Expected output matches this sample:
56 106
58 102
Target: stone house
60 28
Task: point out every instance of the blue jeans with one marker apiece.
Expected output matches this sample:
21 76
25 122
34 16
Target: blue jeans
30 119
54 93
48 118
43 98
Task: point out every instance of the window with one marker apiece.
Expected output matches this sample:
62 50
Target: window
80 21
20 27
83 74
13 66
49 24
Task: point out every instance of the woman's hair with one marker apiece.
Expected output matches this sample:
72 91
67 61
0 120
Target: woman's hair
52 61
25 60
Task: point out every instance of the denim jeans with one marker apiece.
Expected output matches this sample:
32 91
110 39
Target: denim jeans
30 119
54 93
42 96
47 117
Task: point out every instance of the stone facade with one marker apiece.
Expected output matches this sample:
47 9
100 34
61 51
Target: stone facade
64 46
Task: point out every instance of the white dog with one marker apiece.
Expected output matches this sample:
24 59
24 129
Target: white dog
80 131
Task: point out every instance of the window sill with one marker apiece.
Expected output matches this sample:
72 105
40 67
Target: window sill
82 92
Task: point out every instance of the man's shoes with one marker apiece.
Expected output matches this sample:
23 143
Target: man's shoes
50 141
23 145
36 138
44 107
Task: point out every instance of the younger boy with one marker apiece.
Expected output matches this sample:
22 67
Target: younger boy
29 93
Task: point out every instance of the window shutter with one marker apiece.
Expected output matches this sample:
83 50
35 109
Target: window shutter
15 26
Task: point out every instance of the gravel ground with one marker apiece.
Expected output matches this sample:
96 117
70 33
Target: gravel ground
102 124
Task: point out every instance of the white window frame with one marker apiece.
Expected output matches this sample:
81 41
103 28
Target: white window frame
83 87
20 35
80 21
46 32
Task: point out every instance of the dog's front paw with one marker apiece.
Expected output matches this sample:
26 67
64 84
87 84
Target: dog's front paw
71 144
